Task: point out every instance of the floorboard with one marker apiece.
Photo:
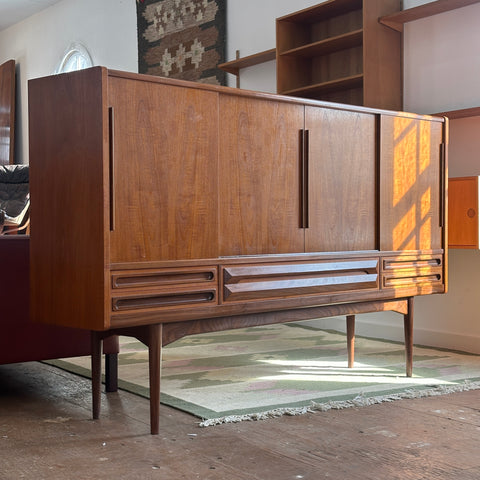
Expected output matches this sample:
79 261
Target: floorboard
46 432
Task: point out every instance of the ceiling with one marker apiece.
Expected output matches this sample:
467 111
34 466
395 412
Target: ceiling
13 11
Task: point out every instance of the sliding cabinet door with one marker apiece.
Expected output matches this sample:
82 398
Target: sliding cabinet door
164 171
411 184
341 180
259 176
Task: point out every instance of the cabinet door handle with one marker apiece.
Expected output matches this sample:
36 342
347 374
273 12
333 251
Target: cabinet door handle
111 167
303 178
442 184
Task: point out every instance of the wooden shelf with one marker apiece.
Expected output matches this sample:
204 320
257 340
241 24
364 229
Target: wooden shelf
397 20
463 113
234 66
330 45
346 83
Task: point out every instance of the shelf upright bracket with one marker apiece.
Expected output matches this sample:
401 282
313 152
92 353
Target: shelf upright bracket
237 78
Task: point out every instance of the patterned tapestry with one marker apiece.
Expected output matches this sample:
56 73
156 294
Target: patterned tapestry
182 39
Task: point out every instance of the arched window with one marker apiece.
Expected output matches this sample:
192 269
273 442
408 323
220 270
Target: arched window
75 58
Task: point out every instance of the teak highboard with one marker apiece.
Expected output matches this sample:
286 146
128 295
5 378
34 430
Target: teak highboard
163 208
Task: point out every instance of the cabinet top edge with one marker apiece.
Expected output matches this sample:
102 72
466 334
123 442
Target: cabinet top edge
104 72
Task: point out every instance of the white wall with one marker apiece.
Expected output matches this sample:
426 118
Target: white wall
107 28
442 61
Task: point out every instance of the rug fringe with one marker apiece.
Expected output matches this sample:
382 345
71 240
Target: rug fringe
359 401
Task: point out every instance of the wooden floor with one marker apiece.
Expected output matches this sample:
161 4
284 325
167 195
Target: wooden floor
46 433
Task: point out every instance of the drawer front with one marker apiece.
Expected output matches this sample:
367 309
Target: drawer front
260 282
163 288
412 271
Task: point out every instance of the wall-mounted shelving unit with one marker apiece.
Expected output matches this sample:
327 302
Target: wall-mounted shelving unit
337 51
340 51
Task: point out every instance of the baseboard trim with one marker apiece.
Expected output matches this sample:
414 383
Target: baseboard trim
394 331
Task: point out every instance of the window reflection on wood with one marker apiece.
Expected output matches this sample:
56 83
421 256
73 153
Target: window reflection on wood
410 206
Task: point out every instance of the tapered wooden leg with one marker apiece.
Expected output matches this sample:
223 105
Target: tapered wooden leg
351 340
111 372
96 342
408 329
154 360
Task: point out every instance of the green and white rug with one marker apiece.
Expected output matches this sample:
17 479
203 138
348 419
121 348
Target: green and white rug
295 368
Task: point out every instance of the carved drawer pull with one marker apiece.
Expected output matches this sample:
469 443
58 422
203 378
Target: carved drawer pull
162 300
162 277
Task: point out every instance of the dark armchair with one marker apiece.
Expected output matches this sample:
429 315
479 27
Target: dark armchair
20 339
14 198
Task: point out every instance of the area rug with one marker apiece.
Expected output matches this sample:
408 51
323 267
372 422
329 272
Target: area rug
295 368
182 39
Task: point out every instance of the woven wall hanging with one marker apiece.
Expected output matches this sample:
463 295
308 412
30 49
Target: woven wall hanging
183 39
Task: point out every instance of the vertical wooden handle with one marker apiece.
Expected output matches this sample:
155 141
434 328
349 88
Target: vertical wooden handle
306 165
111 167
304 217
442 185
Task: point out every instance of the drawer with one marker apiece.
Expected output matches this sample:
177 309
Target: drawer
412 270
164 299
158 278
149 289
254 282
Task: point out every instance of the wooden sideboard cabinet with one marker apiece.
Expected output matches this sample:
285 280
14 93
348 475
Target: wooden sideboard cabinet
162 208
